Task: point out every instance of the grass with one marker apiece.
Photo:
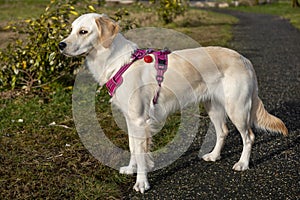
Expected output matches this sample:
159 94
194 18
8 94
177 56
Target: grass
21 9
44 161
197 24
282 8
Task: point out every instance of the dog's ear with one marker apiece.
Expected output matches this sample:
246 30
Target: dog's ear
108 29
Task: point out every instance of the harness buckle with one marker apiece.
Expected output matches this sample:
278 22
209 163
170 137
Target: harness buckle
159 78
161 64
161 61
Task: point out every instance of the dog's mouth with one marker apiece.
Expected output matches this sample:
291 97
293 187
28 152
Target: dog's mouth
66 54
73 55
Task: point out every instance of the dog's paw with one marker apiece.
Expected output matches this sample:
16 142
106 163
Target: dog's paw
211 157
128 170
240 166
141 186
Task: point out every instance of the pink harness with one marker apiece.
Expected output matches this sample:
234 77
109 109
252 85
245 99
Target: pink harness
161 65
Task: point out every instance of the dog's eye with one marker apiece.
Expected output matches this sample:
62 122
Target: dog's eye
83 32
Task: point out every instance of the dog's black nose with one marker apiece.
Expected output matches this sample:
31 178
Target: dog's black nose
62 45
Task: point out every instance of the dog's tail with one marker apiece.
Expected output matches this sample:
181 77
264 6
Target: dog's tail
264 120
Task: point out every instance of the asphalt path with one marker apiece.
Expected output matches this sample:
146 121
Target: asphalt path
273 46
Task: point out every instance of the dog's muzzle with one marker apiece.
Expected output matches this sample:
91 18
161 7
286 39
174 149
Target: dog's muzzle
62 45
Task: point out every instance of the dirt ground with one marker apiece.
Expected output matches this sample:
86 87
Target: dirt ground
5 36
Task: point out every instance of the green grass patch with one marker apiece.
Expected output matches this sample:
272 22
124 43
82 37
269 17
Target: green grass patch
40 160
22 9
208 28
282 8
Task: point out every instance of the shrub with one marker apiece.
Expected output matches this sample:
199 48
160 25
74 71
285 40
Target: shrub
168 10
36 61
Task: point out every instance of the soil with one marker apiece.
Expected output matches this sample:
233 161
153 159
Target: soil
5 36
273 46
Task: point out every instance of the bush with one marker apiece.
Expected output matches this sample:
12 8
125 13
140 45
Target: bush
168 10
36 60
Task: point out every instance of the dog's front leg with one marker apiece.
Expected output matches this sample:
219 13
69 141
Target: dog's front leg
132 167
144 164
140 155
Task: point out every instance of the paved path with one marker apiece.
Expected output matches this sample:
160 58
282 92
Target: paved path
273 46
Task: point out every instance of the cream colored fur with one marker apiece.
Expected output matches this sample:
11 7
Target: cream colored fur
219 77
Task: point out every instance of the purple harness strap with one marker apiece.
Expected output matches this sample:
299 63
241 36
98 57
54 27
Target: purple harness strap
161 66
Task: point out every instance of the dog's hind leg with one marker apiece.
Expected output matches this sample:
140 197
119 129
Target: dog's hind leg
217 115
248 139
239 114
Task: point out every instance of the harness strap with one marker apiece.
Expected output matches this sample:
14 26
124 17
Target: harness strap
161 65
113 83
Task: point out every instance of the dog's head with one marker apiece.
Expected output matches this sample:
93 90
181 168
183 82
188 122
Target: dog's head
89 31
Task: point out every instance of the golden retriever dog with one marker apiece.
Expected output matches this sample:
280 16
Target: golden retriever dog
221 78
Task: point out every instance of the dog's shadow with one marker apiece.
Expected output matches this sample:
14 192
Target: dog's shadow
270 145
266 147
